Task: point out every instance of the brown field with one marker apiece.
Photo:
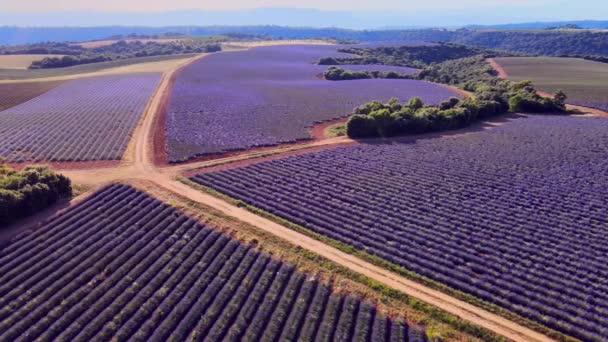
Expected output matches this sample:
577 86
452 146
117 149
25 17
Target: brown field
14 94
154 64
20 62
579 78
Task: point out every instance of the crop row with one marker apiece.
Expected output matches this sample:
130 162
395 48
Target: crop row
516 215
80 120
267 96
124 266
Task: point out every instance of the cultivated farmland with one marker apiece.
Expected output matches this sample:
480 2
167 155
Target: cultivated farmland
80 120
516 215
12 94
122 265
66 72
266 96
21 61
585 82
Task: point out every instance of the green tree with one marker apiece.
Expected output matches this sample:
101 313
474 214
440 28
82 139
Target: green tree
383 121
361 126
515 103
415 103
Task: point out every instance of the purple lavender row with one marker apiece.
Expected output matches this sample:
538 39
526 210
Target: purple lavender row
84 119
516 215
266 96
123 266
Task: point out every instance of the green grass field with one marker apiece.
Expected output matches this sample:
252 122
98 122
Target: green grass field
14 74
580 79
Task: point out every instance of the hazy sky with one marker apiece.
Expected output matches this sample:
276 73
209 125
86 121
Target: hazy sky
163 5
317 13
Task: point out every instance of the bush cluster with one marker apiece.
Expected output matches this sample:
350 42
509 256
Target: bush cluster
394 118
339 74
76 55
23 193
410 56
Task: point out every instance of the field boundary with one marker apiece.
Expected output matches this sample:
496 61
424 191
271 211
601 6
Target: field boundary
492 317
293 255
585 111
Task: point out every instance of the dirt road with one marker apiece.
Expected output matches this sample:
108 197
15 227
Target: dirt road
139 164
501 71
452 305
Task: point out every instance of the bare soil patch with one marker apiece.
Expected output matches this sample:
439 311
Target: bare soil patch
319 131
21 62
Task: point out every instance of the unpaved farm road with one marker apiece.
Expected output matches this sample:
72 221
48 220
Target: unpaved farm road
139 164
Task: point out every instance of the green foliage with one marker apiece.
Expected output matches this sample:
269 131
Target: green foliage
410 56
23 193
461 72
77 55
338 74
387 119
415 103
360 126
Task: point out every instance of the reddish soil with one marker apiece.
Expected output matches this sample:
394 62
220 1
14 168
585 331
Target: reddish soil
79 165
242 152
249 161
480 126
501 71
318 131
159 147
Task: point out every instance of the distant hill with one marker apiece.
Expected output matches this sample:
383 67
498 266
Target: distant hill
586 24
531 41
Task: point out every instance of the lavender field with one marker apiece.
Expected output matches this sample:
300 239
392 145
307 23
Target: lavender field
80 120
266 96
516 215
122 266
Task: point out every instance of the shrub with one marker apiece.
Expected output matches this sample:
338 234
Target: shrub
361 126
25 192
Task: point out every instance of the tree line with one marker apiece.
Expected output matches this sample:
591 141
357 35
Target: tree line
339 74
491 94
393 118
76 55
411 56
